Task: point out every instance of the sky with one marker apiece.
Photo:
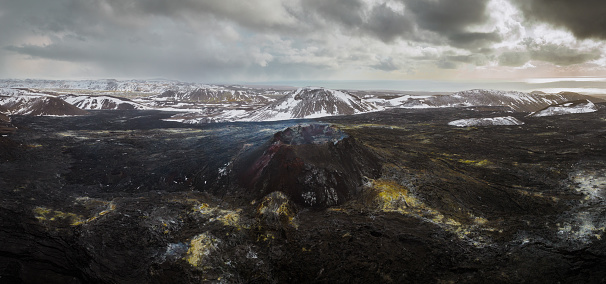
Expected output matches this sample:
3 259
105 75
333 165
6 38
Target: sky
303 40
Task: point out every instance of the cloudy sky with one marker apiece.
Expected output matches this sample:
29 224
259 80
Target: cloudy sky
276 40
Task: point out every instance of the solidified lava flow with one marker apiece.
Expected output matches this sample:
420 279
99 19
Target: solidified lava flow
315 165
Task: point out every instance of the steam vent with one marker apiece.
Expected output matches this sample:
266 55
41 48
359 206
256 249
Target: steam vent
315 165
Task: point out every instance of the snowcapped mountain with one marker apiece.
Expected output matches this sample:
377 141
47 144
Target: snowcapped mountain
39 106
579 106
24 102
311 103
101 102
517 101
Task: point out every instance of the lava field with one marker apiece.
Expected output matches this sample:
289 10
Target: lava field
397 196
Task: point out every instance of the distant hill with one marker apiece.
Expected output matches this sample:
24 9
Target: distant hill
517 101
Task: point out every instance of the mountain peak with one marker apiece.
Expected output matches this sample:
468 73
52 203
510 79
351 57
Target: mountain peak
312 102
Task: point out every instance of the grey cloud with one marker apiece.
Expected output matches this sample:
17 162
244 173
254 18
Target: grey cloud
208 39
386 24
448 20
513 58
585 18
380 22
474 40
548 52
447 16
447 64
477 59
562 55
386 65
451 19
345 12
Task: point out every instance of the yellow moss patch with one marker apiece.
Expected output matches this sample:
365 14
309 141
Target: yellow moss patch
481 163
46 214
267 237
230 219
277 205
226 217
200 247
480 221
393 197
109 207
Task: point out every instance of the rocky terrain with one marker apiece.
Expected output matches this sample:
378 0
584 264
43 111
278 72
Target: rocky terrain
470 187
124 196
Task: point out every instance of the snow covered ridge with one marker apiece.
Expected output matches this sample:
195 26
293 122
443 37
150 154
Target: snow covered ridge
26 102
579 106
311 103
138 86
161 89
517 101
486 121
39 106
101 102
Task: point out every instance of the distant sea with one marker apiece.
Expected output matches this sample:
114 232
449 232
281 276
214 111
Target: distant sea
583 85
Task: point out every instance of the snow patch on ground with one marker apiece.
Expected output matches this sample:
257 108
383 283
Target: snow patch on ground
585 106
488 121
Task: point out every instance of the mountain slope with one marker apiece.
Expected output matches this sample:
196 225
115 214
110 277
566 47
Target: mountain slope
40 106
311 103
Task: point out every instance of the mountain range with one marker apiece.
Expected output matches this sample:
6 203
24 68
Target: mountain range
198 103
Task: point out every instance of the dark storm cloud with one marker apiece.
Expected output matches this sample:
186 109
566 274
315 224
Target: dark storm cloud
380 22
448 20
451 19
584 18
387 25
